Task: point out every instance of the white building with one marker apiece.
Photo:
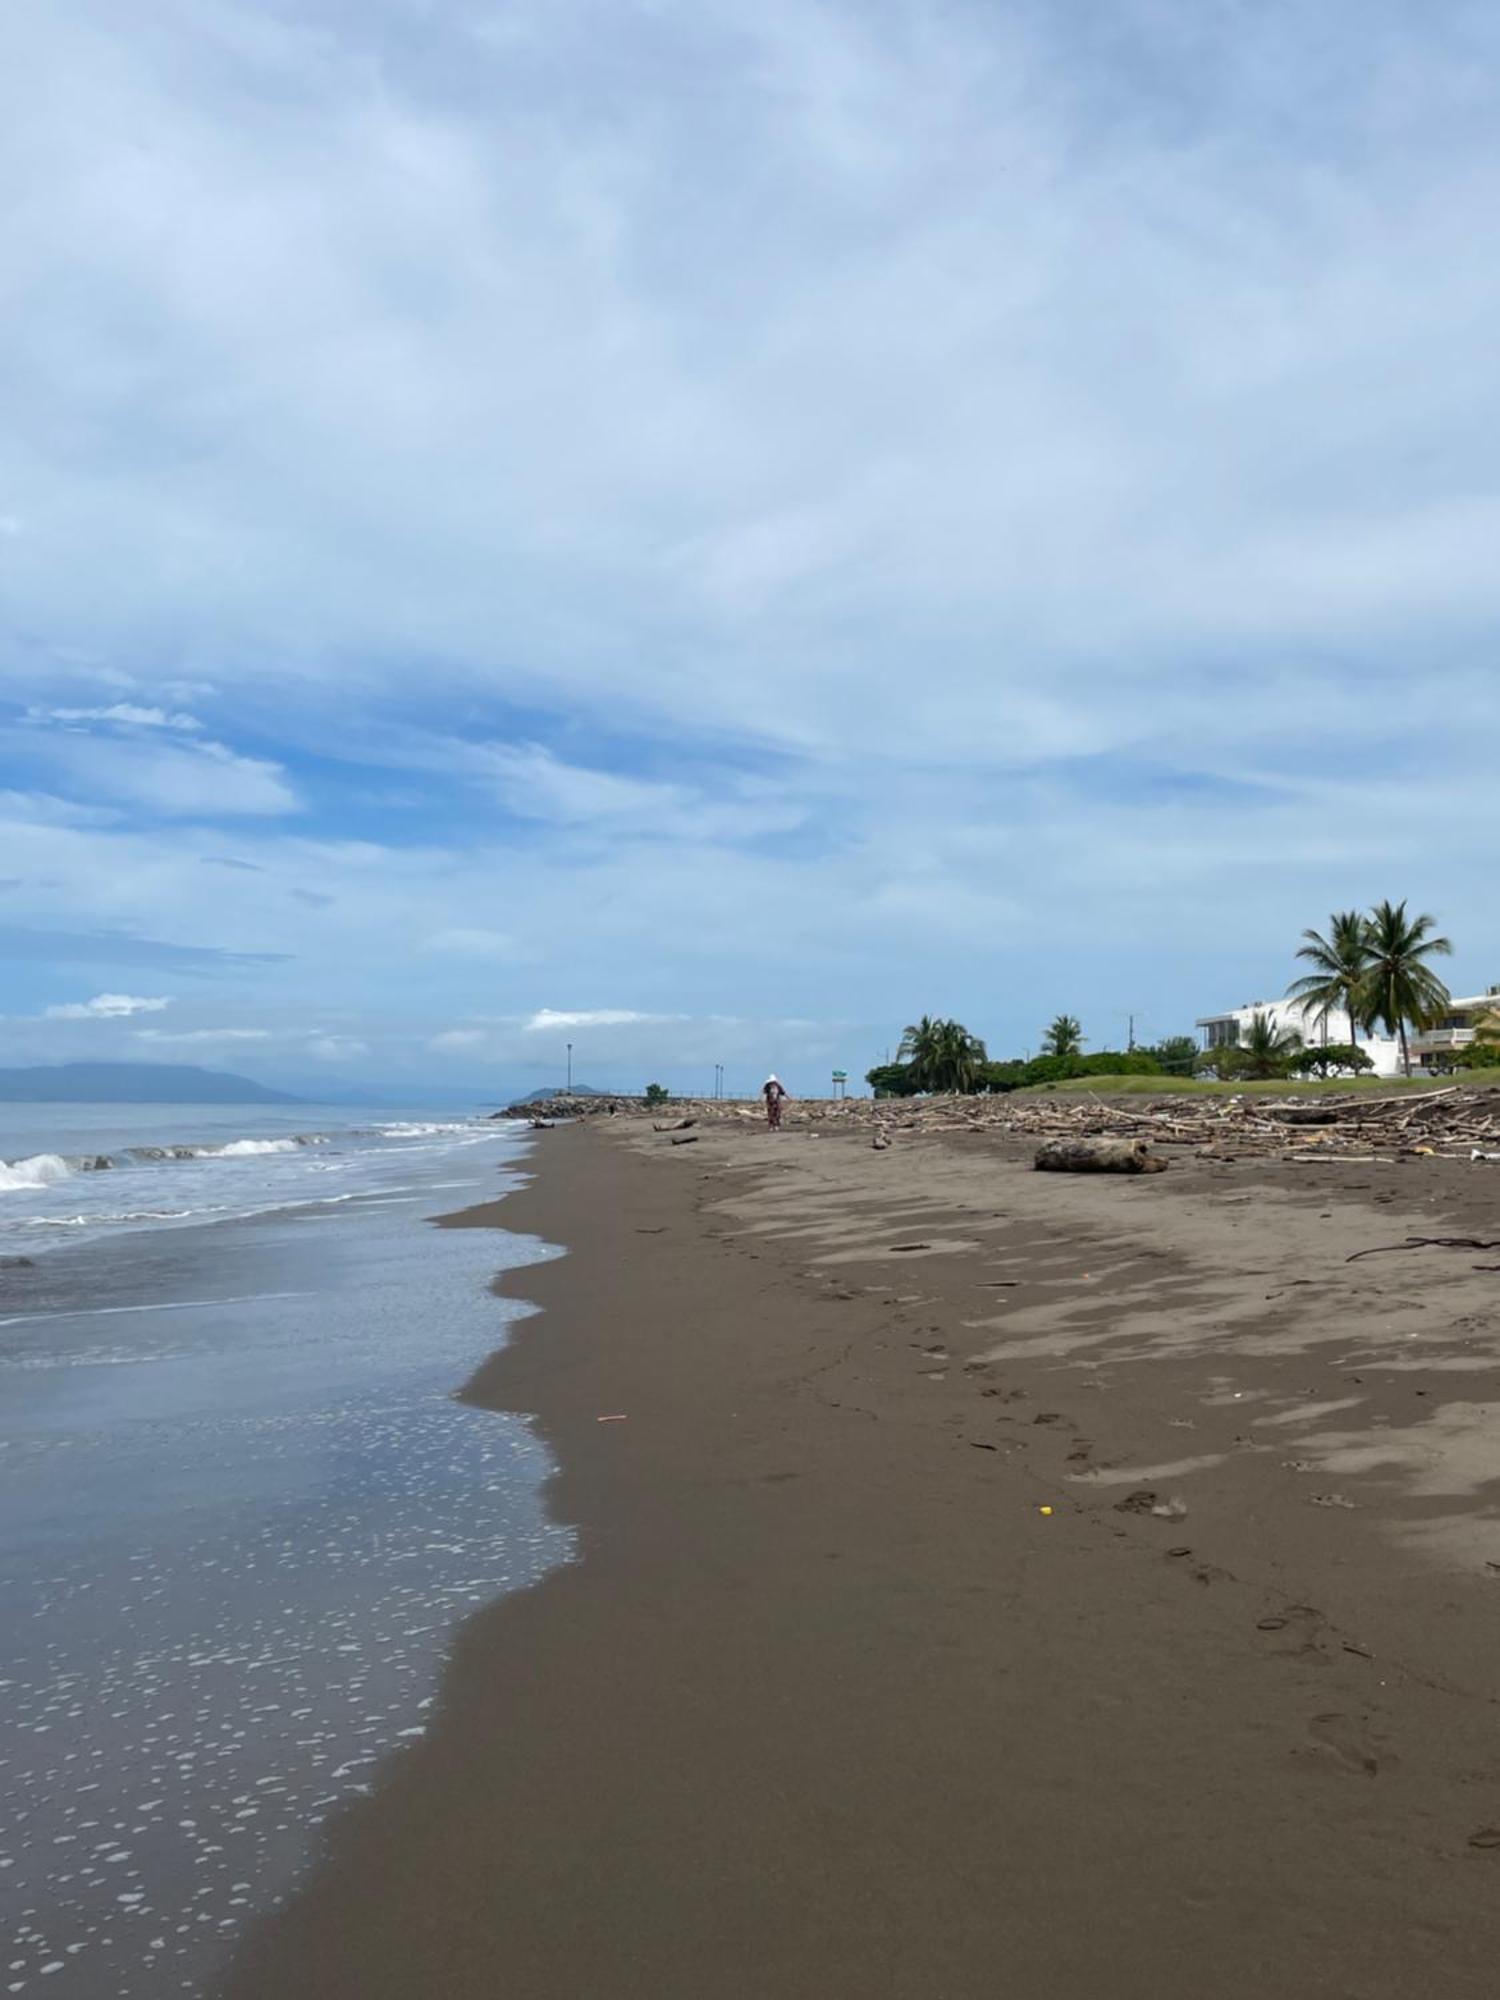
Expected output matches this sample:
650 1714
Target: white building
1231 1029
1430 1047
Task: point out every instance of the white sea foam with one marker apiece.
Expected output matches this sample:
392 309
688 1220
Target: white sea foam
41 1170
241 1149
156 1306
421 1131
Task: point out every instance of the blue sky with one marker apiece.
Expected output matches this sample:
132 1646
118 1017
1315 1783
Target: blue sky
707 531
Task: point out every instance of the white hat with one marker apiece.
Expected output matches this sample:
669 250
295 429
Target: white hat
772 1078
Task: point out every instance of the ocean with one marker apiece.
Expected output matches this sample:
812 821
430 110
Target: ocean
241 1513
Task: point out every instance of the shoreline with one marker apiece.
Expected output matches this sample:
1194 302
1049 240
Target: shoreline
827 1706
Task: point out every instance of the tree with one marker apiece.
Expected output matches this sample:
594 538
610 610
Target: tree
1267 1050
1175 1054
1340 965
1226 1062
999 1077
1399 985
941 1055
1064 1036
656 1093
891 1080
1331 1059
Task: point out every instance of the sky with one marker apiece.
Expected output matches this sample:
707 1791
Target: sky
705 531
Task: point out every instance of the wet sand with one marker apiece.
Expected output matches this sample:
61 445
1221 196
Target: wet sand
829 1705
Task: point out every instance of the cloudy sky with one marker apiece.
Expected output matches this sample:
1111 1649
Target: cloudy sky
705 530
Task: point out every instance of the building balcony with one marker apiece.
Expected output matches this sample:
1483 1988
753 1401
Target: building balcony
1434 1041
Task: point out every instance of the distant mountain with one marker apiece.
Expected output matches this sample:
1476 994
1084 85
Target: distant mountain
133 1083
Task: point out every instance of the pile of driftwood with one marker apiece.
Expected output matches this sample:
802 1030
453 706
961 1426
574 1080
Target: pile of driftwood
1450 1123
1453 1122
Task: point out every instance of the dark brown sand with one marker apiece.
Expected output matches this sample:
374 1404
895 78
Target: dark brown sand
830 1706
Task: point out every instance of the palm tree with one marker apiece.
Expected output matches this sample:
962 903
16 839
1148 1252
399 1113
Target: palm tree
962 1055
921 1050
942 1055
1340 962
1064 1036
1267 1049
1399 986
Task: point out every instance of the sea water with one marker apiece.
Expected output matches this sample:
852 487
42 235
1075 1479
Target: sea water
241 1513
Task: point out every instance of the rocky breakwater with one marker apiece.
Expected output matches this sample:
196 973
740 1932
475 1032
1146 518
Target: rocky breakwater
544 1111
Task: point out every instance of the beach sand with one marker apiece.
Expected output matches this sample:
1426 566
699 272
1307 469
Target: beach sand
832 1705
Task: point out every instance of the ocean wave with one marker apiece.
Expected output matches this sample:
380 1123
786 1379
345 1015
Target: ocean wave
108 1215
406 1131
41 1170
234 1149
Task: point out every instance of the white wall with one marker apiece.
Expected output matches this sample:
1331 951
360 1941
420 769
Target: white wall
1383 1052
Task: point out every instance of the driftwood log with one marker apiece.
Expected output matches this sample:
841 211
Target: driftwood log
1098 1156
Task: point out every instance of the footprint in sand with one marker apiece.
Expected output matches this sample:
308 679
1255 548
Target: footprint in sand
1349 1739
1303 1625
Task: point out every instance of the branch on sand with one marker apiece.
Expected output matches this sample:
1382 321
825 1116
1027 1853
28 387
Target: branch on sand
1429 1243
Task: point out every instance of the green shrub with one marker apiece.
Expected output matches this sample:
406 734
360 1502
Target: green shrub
1330 1059
1227 1064
1175 1055
998 1077
656 1094
891 1080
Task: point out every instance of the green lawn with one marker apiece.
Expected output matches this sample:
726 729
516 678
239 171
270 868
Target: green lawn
1192 1086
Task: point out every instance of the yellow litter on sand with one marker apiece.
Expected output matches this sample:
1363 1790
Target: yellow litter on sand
1044 1510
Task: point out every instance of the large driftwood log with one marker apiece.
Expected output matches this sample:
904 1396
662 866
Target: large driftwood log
1098 1156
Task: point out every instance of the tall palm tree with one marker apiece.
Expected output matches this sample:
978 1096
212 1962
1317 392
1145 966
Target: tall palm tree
1267 1049
962 1055
1399 986
1064 1036
1340 962
942 1055
921 1049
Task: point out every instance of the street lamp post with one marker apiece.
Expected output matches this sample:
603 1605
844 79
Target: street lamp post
570 1066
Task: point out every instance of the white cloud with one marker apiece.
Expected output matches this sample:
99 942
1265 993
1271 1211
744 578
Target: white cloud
205 1035
106 1007
985 351
537 785
43 809
548 1020
161 769
207 781
337 1048
454 1039
127 713
822 548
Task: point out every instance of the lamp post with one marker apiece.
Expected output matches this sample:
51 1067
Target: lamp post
570 1066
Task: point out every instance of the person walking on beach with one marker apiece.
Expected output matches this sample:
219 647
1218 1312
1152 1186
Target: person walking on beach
771 1090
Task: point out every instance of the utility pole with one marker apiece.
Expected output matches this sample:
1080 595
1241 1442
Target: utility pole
570 1066
1130 1038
